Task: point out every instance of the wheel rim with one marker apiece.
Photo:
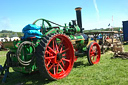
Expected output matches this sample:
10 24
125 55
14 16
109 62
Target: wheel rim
94 53
59 56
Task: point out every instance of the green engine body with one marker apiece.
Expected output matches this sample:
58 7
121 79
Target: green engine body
22 57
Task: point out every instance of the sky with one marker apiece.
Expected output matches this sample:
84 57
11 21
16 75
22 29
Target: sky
16 14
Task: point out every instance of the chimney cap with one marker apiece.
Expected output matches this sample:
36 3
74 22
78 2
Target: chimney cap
78 8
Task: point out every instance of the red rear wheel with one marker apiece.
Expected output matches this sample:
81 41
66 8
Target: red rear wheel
94 53
58 57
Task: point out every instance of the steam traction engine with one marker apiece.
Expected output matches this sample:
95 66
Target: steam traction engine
53 52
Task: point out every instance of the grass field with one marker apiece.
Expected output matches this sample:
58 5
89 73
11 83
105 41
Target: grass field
107 72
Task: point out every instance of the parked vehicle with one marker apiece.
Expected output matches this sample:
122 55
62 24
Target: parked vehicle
51 51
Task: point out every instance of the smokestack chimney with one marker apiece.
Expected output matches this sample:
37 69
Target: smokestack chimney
79 20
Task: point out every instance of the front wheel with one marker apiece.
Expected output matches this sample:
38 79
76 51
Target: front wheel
93 53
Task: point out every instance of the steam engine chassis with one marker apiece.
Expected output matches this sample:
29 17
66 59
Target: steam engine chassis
54 53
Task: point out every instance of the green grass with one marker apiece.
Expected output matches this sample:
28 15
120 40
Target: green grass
107 72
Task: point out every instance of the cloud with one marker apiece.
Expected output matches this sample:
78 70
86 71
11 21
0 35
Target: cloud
5 23
97 10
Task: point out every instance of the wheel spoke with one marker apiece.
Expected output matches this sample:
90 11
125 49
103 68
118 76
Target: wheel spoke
48 63
56 46
63 55
66 60
65 50
61 67
51 66
54 68
61 48
49 57
48 52
51 49
57 68
92 53
62 63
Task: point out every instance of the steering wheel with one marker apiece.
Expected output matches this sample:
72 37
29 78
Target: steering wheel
43 28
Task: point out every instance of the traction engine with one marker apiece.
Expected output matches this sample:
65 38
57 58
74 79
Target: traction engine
52 50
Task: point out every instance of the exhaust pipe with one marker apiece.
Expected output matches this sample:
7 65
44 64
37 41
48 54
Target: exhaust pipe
79 19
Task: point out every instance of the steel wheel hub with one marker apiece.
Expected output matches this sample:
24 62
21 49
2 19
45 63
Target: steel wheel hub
59 56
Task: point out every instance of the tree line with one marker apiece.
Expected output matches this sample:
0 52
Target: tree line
7 33
102 29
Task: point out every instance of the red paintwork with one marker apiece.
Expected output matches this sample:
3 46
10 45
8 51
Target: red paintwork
94 53
59 68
